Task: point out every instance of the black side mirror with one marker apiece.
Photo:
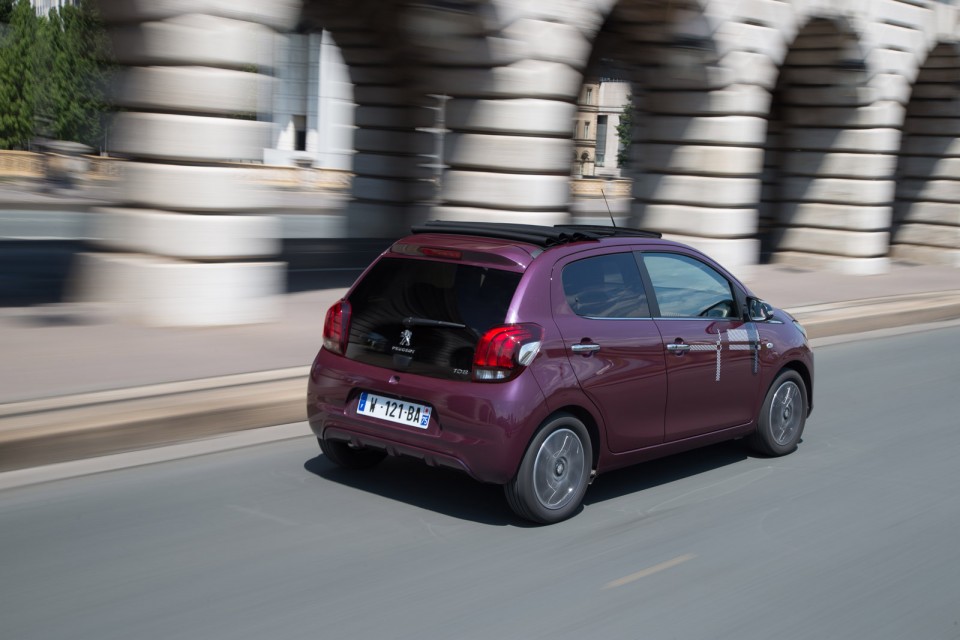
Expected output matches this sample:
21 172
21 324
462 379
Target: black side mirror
758 310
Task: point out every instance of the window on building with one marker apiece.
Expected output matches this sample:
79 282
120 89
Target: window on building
300 133
601 149
589 99
586 130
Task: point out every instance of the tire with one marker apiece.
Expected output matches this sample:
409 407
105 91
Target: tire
782 416
554 472
345 456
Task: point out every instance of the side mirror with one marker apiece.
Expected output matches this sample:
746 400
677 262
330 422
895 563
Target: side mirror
758 310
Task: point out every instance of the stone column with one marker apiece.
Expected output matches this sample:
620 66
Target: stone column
836 139
699 144
512 76
185 246
927 214
701 156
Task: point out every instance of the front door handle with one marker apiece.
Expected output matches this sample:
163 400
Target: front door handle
678 347
585 348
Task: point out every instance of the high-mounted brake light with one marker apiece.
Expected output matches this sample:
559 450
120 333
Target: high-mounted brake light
504 351
437 252
336 327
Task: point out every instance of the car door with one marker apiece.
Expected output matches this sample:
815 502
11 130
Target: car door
711 351
612 343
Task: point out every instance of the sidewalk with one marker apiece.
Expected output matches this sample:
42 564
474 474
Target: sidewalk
76 383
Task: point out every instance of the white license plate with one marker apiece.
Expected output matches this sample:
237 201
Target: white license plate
399 411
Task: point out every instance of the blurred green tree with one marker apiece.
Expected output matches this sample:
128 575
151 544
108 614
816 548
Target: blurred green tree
625 134
52 74
6 8
17 81
76 54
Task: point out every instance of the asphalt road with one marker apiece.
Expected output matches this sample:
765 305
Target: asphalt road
853 536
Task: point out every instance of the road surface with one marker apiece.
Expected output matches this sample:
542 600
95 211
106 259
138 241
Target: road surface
853 536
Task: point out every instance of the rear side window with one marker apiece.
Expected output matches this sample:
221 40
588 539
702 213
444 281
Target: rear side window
425 316
607 286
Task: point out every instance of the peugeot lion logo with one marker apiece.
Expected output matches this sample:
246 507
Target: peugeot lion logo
405 336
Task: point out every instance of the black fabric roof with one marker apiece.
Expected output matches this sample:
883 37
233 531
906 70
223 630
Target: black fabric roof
538 235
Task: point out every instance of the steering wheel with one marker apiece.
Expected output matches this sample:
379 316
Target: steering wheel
720 309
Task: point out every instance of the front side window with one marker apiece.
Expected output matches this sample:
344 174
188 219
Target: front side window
607 286
688 288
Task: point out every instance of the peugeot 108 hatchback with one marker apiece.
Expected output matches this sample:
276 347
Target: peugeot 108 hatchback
537 357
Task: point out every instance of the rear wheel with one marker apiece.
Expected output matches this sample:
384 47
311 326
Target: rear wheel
554 473
343 455
782 416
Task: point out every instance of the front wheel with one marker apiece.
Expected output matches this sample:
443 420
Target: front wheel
343 455
782 416
554 472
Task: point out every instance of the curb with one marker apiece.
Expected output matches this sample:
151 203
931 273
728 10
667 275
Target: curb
39 432
832 319
60 429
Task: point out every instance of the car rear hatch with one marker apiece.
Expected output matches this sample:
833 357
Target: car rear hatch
426 305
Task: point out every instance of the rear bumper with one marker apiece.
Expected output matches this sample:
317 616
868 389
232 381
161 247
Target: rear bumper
481 429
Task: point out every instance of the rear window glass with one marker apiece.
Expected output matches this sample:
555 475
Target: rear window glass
426 316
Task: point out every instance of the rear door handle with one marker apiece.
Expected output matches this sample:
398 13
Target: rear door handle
678 347
585 348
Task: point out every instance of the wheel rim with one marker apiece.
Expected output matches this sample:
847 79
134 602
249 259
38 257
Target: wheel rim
786 413
559 469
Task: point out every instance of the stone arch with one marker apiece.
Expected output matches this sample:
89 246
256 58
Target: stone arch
829 154
699 118
926 221
390 49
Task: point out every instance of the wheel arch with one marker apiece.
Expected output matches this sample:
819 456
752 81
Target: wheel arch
807 377
593 430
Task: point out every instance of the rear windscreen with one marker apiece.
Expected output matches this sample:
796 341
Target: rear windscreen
426 317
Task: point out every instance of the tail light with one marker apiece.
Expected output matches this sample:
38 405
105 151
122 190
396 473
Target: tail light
336 327
504 351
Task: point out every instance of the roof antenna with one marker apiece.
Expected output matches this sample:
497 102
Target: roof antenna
608 208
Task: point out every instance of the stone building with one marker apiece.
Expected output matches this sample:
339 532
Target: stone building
43 7
595 138
312 104
821 133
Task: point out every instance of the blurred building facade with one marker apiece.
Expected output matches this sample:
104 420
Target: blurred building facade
312 104
821 134
43 7
595 135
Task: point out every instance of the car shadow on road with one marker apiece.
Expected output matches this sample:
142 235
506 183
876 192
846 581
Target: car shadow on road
437 489
456 495
647 475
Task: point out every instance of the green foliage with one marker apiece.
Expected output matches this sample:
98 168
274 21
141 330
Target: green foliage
6 10
52 75
17 79
625 134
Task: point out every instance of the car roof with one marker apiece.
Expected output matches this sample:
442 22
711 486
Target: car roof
537 235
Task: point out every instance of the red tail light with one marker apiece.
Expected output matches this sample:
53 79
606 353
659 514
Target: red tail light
336 327
505 350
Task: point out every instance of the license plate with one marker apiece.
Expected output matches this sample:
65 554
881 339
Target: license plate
399 411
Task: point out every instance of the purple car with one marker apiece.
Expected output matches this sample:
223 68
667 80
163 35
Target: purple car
537 357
